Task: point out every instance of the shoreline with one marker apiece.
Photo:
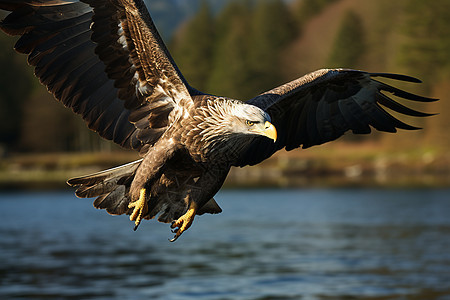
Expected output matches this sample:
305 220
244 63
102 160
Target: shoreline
362 168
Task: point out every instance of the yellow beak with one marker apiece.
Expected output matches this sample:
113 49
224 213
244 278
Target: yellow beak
270 131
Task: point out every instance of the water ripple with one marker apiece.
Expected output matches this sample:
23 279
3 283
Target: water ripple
314 244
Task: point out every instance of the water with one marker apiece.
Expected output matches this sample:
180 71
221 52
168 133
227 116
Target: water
267 244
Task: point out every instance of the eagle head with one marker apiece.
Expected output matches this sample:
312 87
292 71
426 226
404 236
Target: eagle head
249 119
232 122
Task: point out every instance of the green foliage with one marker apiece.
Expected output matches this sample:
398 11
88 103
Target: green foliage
231 69
193 49
272 29
236 53
349 45
428 30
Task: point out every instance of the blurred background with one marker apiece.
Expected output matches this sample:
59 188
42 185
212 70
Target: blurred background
240 49
364 217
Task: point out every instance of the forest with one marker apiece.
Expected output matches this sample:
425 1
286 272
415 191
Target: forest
242 48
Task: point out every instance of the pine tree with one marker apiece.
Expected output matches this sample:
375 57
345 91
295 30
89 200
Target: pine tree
349 45
428 30
272 28
425 55
231 69
193 50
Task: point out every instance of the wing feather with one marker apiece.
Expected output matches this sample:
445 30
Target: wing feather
105 60
395 106
322 106
354 116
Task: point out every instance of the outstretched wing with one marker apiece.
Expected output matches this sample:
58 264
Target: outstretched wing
105 60
323 105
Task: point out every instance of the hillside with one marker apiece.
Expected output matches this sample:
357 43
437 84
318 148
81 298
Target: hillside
32 124
384 24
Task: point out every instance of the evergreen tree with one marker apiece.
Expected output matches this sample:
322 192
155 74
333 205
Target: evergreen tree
272 28
428 46
231 69
349 45
425 54
193 50
237 53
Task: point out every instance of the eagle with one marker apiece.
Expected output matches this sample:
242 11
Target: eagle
105 60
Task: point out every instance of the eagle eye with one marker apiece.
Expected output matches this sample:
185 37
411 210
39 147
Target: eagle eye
249 123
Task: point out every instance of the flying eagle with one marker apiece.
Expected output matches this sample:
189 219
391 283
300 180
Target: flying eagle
106 61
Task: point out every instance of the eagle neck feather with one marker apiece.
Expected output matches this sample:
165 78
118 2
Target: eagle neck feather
213 132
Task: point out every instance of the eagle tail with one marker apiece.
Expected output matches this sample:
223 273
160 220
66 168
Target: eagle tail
111 187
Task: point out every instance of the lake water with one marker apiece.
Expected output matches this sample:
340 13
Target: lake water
266 245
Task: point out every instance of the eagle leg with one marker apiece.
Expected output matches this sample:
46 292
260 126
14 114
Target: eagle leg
184 222
140 209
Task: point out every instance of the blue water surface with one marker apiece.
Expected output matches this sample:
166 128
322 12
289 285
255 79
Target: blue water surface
267 244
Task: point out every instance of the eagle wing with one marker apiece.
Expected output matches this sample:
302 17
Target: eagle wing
105 60
323 105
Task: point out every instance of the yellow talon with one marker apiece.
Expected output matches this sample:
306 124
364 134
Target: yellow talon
140 209
183 223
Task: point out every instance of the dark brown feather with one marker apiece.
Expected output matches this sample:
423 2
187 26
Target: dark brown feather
102 60
322 106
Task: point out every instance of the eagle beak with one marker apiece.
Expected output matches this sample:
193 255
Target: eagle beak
270 131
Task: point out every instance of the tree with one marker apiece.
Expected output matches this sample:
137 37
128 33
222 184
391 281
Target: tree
272 28
349 45
428 32
425 54
193 48
231 70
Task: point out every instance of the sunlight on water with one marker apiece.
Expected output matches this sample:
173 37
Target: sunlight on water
267 244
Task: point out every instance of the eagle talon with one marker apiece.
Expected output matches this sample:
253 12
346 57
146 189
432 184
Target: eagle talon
183 223
177 232
174 238
140 209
